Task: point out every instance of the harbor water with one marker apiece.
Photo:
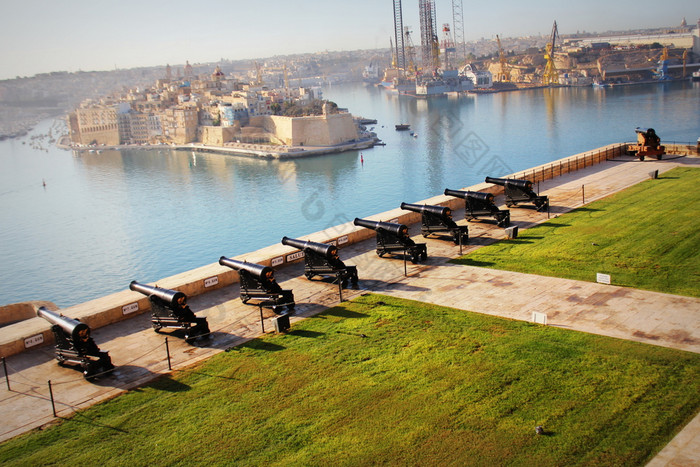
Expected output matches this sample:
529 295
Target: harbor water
76 226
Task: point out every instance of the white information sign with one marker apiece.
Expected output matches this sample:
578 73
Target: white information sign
342 240
277 261
539 318
602 278
130 308
34 340
294 256
211 281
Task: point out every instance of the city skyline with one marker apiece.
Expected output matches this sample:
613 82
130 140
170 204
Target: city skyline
42 37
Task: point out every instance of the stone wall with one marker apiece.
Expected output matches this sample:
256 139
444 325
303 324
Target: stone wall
322 130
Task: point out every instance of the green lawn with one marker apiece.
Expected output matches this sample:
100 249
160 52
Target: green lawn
646 237
387 381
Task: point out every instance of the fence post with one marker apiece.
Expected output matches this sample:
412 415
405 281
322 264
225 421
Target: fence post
53 404
7 377
167 351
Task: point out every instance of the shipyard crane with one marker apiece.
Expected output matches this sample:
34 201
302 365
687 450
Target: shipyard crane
662 70
551 74
504 77
410 52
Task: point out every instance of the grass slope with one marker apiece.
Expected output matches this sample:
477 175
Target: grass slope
647 237
387 381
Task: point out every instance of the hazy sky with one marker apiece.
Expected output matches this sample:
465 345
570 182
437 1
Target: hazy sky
39 36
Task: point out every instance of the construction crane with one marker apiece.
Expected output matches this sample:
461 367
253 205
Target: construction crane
504 77
551 74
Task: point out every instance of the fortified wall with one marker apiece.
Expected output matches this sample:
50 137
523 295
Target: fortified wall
321 130
126 304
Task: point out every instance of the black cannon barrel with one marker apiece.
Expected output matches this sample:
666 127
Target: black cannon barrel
456 193
441 211
522 184
321 248
257 270
645 130
75 329
480 195
167 295
396 229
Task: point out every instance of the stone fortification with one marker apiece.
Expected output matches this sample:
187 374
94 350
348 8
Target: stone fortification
321 130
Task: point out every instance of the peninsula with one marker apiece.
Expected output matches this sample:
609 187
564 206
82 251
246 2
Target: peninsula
218 114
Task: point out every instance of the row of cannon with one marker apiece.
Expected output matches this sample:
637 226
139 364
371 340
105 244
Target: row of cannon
169 309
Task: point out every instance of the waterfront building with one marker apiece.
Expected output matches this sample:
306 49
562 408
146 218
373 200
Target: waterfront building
480 79
95 124
180 124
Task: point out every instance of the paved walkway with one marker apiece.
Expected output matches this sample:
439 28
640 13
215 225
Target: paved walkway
140 353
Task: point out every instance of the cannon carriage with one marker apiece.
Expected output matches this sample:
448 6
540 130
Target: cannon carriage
169 309
480 204
258 283
321 259
520 191
392 238
438 219
648 144
74 346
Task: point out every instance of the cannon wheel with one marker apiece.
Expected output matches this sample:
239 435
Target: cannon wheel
641 158
309 275
658 158
380 253
424 256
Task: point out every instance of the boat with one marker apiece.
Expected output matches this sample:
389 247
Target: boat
403 127
695 76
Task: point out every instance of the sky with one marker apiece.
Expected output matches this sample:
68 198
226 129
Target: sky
40 36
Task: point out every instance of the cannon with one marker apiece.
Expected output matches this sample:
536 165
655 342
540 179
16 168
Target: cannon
321 259
648 144
258 283
438 219
169 309
518 191
479 204
394 237
74 345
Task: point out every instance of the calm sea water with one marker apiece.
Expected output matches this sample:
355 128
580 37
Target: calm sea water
105 219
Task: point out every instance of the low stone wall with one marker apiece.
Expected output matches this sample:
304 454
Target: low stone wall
10 314
126 304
